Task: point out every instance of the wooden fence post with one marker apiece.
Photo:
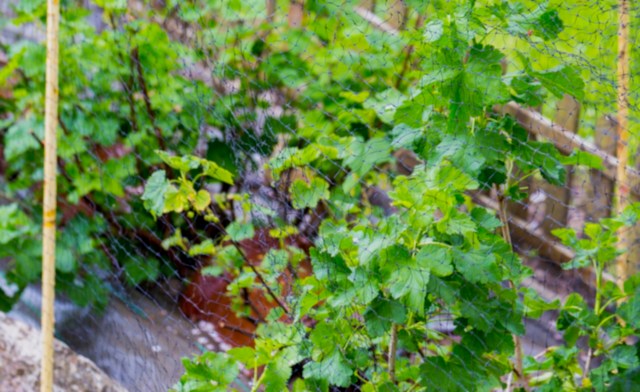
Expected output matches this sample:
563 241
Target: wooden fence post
599 199
623 266
559 197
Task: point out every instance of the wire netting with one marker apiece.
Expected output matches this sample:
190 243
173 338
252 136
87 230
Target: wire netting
228 168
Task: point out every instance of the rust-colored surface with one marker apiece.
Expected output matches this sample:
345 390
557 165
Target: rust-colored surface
206 298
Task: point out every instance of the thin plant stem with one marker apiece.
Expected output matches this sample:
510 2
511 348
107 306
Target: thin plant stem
393 344
506 234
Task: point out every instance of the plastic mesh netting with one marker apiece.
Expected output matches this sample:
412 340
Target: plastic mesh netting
328 195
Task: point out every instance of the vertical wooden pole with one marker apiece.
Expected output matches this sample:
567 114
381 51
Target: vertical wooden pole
296 13
623 267
559 197
398 14
271 10
600 194
49 208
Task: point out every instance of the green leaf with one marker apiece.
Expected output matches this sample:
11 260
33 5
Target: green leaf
433 31
561 80
276 375
334 370
206 247
408 279
154 193
223 154
385 104
293 157
583 158
202 200
544 157
210 372
381 313
240 231
183 164
14 223
7 301
274 263
457 223
528 91
549 25
175 239
140 270
65 259
364 156
245 355
626 381
177 199
625 357
405 136
477 266
22 137
9 68
112 5
482 81
436 76
535 306
413 112
436 258
305 194
214 171
410 285
542 22
355 97
629 311
485 219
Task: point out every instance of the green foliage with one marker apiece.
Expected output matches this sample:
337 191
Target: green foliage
139 188
211 372
374 274
607 328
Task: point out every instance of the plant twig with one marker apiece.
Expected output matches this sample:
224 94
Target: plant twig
263 282
506 234
587 363
393 343
408 56
128 85
135 56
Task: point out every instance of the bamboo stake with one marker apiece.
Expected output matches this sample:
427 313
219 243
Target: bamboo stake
49 208
622 182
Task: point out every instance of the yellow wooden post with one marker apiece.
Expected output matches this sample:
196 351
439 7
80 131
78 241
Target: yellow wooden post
622 181
49 208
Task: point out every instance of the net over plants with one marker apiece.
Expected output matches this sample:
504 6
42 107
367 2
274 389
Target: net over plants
334 195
